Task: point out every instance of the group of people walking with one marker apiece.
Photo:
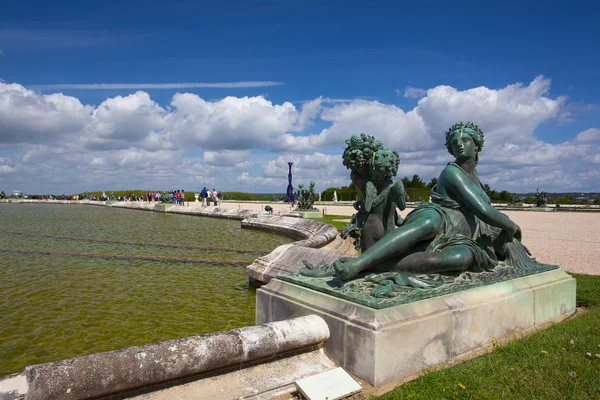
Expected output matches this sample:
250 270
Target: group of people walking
207 196
179 197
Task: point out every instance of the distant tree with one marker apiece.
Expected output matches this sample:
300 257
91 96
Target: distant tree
596 200
432 183
561 200
504 196
417 182
2 195
345 193
416 189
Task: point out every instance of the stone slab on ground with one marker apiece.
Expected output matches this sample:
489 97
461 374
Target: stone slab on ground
390 344
331 385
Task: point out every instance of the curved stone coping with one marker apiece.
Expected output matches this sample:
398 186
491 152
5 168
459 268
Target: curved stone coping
313 233
119 371
49 201
215 212
288 259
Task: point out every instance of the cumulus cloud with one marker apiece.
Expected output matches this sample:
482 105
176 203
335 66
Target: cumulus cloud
413 92
310 110
244 143
27 117
591 135
120 122
227 157
232 123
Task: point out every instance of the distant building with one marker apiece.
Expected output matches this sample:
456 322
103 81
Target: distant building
16 193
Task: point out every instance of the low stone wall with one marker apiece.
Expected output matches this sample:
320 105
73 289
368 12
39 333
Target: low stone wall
118 372
313 233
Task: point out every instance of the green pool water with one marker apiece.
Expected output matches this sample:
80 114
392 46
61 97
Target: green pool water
78 279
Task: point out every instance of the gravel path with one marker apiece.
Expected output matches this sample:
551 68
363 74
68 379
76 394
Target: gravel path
568 239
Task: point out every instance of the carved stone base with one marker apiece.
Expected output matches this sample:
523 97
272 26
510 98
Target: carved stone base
390 344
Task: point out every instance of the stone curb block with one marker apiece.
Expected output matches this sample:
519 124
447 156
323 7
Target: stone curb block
132 368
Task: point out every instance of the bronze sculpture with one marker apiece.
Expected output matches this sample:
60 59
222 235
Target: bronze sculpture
541 198
372 169
458 230
306 197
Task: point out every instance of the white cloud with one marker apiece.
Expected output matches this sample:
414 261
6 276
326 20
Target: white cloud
244 143
122 122
591 135
27 117
232 123
249 183
226 158
508 114
137 86
388 123
413 92
310 110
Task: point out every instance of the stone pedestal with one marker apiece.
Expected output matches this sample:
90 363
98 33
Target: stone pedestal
385 345
314 213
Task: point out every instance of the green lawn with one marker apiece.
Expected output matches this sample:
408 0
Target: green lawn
331 219
561 362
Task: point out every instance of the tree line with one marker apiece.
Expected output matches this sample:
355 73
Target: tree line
417 189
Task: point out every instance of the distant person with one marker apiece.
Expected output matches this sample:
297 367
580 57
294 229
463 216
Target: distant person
293 197
215 196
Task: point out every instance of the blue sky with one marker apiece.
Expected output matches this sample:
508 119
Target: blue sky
361 57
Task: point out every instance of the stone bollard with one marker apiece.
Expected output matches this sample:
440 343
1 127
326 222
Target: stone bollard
115 372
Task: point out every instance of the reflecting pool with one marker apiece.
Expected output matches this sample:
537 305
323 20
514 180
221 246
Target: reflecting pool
77 279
